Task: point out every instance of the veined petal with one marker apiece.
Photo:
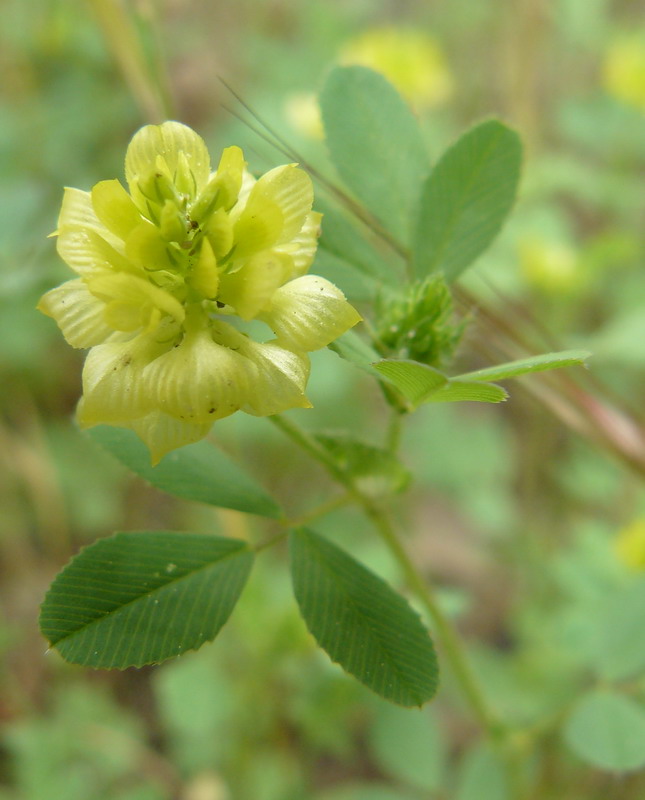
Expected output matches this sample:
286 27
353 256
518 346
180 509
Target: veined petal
167 140
114 208
290 188
78 313
199 381
250 289
88 253
132 301
308 313
113 387
281 378
163 433
302 248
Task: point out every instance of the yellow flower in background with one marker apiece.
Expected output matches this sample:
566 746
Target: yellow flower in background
624 70
303 112
551 266
630 545
169 273
410 59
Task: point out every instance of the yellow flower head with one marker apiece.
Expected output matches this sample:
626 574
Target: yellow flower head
411 59
630 545
624 70
168 274
549 265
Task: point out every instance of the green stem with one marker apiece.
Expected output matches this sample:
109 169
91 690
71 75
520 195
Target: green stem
453 647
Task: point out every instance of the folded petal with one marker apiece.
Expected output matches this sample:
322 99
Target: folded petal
88 253
308 313
250 289
281 379
77 312
302 248
169 140
133 302
291 190
163 433
113 387
114 208
199 381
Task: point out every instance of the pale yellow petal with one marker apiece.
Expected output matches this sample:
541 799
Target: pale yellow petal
113 388
290 188
259 226
251 288
146 248
199 381
131 301
223 187
168 140
77 213
309 312
114 208
204 276
88 253
281 379
219 230
78 314
163 433
302 248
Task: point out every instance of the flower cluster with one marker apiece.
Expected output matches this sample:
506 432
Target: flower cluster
168 275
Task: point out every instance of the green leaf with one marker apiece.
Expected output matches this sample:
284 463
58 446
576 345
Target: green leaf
420 384
140 598
375 471
408 746
375 144
607 730
456 391
467 198
197 472
361 623
416 382
621 644
523 366
482 776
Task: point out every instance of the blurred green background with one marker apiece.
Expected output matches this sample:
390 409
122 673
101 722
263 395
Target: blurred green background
527 549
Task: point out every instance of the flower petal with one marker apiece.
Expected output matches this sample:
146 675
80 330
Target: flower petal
134 302
168 140
114 208
288 187
251 288
302 248
163 433
113 387
147 249
258 227
281 379
308 313
77 312
199 381
204 276
88 253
